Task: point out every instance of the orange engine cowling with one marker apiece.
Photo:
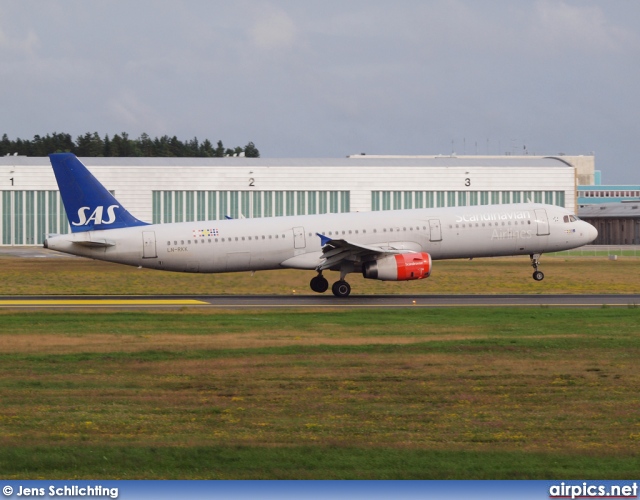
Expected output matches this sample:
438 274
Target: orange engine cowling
400 267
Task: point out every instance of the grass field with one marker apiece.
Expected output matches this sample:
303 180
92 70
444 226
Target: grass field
438 393
563 274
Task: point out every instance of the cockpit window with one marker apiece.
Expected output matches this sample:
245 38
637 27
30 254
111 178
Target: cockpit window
570 218
566 218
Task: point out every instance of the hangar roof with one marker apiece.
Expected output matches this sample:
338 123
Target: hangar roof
626 209
435 161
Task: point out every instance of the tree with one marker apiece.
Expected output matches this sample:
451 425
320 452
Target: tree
219 150
90 144
107 146
145 145
250 151
5 146
125 145
206 149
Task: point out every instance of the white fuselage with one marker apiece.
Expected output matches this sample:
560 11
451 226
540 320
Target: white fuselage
292 242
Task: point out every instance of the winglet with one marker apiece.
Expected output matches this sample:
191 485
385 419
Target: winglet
88 204
324 239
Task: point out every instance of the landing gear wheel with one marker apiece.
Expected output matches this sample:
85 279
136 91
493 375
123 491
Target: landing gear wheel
341 288
538 275
319 284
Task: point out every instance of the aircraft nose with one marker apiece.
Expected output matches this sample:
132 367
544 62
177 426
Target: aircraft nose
592 233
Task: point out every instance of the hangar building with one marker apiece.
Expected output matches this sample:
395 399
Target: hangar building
162 190
617 223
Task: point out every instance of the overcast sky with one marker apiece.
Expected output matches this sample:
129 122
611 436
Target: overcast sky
329 78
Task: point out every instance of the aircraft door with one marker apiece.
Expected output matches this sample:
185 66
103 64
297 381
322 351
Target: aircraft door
435 233
298 238
149 245
542 222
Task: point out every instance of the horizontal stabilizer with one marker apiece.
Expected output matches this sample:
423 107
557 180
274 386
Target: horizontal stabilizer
95 243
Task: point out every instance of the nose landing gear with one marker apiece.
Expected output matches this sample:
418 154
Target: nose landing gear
535 261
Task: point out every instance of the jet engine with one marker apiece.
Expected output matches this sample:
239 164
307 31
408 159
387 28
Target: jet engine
400 267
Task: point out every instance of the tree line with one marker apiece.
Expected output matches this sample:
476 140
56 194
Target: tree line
91 144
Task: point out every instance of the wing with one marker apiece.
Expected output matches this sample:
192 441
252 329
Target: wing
335 252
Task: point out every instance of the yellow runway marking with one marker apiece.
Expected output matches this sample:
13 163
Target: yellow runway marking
104 302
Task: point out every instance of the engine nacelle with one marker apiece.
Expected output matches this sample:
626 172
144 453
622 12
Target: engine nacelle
400 267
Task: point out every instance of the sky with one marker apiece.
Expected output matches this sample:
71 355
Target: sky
329 78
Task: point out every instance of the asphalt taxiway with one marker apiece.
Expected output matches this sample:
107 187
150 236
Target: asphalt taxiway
254 302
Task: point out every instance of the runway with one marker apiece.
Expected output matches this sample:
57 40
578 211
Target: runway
255 302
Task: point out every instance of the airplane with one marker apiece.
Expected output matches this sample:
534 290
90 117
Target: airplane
394 245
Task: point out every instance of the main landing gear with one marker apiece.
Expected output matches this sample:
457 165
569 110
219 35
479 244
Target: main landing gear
535 261
341 288
320 284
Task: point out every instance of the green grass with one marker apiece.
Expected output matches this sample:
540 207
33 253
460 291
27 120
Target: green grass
302 462
592 252
508 321
484 393
563 274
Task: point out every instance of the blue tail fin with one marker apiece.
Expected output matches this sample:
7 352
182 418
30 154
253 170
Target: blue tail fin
89 206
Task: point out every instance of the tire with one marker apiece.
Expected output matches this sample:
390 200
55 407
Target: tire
319 284
538 275
341 288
